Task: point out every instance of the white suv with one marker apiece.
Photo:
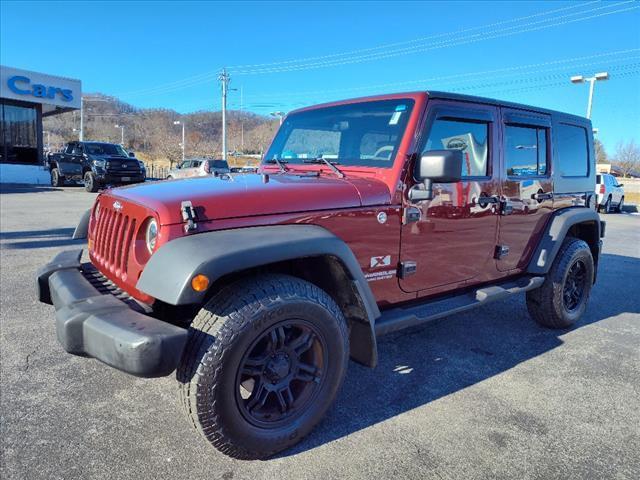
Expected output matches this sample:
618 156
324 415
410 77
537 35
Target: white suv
610 193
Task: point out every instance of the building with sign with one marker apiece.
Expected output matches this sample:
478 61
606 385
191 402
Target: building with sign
25 98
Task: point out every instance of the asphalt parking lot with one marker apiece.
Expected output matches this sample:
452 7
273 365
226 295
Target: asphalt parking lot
486 394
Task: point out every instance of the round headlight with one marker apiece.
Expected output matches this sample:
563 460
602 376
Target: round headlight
152 235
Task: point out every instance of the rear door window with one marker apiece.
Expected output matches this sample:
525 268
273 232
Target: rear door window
572 150
525 151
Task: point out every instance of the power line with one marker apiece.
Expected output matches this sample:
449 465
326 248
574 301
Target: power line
461 75
483 36
415 40
207 77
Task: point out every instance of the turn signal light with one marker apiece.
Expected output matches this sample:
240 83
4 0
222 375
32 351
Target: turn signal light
200 283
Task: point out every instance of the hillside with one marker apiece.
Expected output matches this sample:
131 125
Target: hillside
152 134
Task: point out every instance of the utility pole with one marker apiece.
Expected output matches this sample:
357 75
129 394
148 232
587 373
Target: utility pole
592 81
241 123
81 135
224 78
121 127
180 122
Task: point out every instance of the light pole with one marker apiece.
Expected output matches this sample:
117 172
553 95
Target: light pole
592 81
121 127
278 114
48 139
178 122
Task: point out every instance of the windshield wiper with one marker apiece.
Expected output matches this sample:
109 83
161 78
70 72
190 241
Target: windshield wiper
331 165
280 164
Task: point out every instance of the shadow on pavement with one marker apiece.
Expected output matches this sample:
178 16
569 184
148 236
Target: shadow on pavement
24 188
423 364
58 237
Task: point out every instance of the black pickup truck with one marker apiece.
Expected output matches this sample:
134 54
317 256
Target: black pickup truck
97 164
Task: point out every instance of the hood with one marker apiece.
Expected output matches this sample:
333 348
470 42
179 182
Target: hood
240 195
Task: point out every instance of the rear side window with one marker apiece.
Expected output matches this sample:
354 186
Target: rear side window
468 136
571 150
598 179
525 151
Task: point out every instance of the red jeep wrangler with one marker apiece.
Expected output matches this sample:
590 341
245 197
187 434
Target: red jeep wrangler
367 216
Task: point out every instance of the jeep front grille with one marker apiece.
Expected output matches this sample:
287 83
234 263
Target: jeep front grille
113 240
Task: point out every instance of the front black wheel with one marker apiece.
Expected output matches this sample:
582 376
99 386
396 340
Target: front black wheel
562 298
265 359
90 182
57 180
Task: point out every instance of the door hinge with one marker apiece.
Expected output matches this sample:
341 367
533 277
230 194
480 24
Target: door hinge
501 252
407 268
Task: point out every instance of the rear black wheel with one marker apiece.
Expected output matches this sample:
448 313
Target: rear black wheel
620 206
264 361
606 208
562 298
90 183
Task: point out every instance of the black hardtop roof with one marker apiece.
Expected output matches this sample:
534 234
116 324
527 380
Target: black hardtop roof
501 103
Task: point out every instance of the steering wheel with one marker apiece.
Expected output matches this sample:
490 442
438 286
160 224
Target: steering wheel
384 152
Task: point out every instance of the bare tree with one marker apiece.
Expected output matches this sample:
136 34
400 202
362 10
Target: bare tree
601 153
627 157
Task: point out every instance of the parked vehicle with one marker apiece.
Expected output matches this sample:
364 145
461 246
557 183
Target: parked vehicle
244 169
198 167
610 193
369 216
97 164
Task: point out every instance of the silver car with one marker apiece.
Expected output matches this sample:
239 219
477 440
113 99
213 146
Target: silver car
198 167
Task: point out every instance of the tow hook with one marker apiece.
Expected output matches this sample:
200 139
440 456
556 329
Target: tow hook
189 216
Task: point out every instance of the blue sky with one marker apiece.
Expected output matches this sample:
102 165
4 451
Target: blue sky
166 54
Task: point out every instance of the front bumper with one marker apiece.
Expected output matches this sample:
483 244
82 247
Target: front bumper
111 179
104 327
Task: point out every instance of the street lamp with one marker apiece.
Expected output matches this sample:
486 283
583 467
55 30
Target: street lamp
121 127
48 139
279 115
178 122
592 80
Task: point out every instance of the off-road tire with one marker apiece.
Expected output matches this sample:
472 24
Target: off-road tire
222 333
546 304
57 180
90 182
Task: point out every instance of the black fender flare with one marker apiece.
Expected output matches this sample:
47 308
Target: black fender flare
555 233
82 229
167 276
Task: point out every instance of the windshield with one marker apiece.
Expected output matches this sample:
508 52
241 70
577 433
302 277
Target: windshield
104 149
363 134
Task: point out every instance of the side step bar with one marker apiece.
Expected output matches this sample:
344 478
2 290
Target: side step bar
400 318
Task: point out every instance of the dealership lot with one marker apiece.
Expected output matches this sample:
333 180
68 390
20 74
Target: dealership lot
484 394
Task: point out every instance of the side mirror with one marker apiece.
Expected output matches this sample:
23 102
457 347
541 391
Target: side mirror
620 185
439 166
132 155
